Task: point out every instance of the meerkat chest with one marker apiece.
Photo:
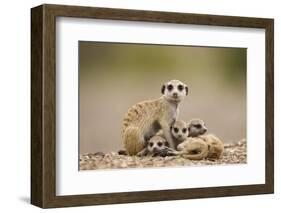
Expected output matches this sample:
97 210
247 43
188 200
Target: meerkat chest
176 142
171 114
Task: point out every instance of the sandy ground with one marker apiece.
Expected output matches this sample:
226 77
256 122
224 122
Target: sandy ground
234 153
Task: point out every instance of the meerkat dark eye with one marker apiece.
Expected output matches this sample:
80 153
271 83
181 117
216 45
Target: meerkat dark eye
180 87
198 126
184 130
159 143
170 87
176 129
151 144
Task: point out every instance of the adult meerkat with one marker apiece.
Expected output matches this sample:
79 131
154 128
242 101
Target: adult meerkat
198 146
156 146
144 119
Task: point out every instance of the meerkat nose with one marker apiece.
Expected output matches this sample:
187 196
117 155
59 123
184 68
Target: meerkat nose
175 94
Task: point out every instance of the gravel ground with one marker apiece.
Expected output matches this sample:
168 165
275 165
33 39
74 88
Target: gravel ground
234 153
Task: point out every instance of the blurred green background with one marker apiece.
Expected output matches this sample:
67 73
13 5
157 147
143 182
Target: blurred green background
115 76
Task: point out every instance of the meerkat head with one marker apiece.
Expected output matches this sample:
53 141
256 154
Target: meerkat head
179 130
174 91
156 144
196 127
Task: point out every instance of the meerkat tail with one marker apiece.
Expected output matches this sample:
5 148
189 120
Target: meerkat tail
132 140
197 152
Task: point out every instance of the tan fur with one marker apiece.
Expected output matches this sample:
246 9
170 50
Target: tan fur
199 146
215 145
193 149
204 146
146 118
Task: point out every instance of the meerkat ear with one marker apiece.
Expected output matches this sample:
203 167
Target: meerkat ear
163 89
186 90
188 128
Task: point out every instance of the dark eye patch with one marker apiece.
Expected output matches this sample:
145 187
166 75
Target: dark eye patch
159 143
151 144
180 87
176 129
198 126
184 130
170 87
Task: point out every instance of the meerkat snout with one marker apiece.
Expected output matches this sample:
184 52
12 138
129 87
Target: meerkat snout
155 149
180 136
175 95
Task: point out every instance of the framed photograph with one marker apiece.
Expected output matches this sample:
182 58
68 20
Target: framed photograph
136 106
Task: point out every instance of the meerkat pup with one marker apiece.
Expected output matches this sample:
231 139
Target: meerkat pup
179 132
196 127
145 119
155 147
193 149
198 146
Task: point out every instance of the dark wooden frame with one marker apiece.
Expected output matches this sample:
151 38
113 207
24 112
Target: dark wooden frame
43 105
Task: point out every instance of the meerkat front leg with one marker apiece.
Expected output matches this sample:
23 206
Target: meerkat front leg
143 152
